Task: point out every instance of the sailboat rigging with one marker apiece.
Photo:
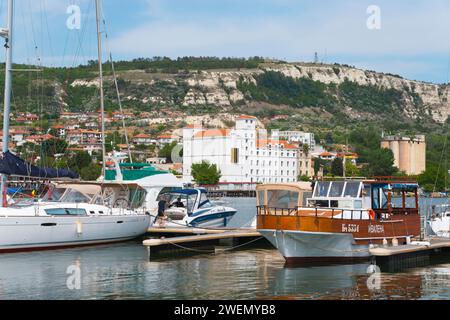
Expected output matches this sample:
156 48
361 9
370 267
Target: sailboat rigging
71 213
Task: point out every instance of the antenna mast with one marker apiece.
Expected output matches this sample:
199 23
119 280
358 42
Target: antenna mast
102 94
8 35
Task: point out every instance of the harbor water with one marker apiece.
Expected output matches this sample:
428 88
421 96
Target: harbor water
124 271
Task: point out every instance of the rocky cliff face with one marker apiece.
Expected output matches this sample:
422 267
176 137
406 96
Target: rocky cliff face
220 89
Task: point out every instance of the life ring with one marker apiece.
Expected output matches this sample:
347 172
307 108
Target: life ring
372 214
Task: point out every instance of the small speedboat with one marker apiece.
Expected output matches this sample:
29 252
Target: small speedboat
439 223
192 208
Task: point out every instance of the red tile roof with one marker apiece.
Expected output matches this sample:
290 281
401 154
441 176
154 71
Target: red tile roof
142 136
285 144
213 133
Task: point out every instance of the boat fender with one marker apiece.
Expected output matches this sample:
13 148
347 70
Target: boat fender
408 240
385 242
372 214
79 228
395 242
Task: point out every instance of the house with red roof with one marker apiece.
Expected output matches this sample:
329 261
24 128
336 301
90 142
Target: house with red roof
143 139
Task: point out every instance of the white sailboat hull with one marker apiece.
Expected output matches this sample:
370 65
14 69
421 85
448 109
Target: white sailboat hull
43 233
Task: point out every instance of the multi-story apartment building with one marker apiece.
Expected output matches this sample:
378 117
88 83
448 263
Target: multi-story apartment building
88 140
296 137
243 154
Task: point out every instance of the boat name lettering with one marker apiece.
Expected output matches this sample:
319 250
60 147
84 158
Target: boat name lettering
350 228
376 229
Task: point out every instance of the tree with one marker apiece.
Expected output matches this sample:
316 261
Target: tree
91 173
304 178
205 173
79 160
53 146
329 138
318 164
166 151
306 149
337 167
351 170
381 163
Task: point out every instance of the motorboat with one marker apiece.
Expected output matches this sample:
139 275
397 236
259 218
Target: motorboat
439 223
337 221
191 208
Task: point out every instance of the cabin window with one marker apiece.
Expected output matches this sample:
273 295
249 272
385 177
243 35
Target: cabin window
322 189
336 189
261 198
65 212
137 198
352 189
282 199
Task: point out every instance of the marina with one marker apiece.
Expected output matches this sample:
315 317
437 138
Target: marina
212 177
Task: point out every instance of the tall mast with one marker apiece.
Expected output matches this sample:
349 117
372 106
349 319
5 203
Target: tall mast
102 95
8 35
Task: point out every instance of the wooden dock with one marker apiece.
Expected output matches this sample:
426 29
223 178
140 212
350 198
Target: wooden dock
166 242
207 242
419 254
173 232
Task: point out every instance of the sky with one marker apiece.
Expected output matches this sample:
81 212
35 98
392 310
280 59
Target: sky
412 37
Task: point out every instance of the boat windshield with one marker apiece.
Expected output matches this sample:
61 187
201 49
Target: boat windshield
204 202
54 194
337 189
74 196
187 201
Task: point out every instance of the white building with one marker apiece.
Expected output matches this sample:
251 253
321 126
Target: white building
296 137
243 154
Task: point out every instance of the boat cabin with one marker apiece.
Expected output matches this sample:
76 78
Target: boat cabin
383 197
341 198
124 196
189 199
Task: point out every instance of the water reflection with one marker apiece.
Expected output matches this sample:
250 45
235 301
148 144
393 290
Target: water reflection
314 282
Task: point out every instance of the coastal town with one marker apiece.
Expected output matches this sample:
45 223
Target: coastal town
244 152
186 151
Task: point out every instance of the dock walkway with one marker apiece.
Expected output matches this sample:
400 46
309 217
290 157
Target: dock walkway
410 256
200 241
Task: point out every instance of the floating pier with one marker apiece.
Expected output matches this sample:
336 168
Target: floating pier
205 242
417 254
174 232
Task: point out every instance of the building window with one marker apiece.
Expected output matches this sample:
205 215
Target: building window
234 155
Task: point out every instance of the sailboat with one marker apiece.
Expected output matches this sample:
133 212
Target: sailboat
71 213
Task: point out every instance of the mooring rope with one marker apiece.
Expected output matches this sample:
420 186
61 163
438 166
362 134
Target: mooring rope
214 251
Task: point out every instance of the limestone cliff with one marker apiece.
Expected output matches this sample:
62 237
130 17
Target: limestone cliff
219 88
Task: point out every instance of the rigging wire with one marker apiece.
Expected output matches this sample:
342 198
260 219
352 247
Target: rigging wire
119 99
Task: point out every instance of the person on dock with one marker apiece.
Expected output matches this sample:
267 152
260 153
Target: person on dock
162 207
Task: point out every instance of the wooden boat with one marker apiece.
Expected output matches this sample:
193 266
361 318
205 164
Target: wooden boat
339 220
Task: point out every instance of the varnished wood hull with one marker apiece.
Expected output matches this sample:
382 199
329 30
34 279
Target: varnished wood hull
317 241
363 231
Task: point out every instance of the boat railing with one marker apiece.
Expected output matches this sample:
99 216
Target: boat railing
335 214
